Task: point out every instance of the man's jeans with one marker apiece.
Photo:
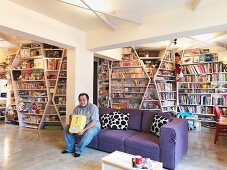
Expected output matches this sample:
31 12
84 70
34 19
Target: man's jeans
70 139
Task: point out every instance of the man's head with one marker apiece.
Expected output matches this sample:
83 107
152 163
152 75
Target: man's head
83 99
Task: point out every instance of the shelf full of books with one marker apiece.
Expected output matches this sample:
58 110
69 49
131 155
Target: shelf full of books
104 66
150 60
35 72
203 84
128 81
11 113
165 82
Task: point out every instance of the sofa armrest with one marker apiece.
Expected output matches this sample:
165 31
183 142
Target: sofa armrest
173 142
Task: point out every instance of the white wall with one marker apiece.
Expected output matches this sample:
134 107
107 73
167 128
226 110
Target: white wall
17 20
114 54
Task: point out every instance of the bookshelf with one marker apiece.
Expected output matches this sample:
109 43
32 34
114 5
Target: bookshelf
55 65
36 72
3 85
60 92
104 66
129 81
150 60
11 113
28 82
203 85
144 79
165 82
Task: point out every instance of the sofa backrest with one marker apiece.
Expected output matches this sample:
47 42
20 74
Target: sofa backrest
102 111
134 119
148 118
139 120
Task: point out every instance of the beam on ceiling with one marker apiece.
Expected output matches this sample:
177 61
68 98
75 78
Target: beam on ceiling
101 16
117 14
208 42
195 4
125 16
6 38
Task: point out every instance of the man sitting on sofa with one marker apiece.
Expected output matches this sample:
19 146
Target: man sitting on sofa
91 129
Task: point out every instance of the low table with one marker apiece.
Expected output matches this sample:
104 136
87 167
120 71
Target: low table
123 161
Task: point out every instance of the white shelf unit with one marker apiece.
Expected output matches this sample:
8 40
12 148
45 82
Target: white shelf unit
129 81
31 85
3 84
24 73
165 82
150 60
204 84
60 95
11 113
103 84
53 64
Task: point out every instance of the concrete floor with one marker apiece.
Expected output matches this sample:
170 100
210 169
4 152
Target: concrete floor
22 148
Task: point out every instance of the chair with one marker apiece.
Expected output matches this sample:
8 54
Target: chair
221 124
188 116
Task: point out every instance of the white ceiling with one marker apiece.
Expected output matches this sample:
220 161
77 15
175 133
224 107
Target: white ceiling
86 21
216 40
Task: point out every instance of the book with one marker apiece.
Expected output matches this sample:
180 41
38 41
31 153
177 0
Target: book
38 63
77 124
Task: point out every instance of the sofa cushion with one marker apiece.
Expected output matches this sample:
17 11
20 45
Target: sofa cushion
119 121
158 122
148 118
105 120
134 119
94 143
112 140
144 144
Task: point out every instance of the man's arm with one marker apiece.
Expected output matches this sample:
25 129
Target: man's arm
70 116
89 125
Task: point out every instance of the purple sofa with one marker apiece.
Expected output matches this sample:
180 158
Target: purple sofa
169 148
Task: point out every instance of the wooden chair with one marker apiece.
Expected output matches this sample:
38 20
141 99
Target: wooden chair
221 124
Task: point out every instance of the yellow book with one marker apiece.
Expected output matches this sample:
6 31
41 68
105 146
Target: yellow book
77 124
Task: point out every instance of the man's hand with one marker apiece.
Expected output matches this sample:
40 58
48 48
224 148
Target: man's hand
82 132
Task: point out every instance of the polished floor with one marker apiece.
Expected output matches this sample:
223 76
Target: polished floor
27 149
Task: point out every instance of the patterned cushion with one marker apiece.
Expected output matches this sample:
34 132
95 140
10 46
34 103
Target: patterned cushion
106 120
157 123
119 121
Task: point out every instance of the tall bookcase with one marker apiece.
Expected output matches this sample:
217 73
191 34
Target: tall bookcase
55 64
150 60
129 81
204 84
11 113
3 84
165 82
37 71
144 79
103 84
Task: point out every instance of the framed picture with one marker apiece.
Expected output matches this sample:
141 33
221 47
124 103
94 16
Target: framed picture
208 57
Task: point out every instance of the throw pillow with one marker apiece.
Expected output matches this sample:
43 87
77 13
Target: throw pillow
119 121
157 123
106 120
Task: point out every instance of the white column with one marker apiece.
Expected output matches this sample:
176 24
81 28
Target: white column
80 76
